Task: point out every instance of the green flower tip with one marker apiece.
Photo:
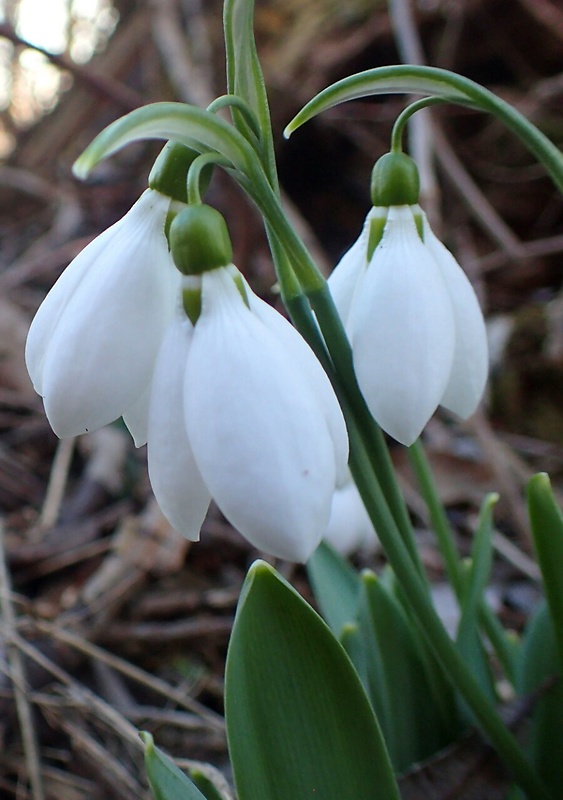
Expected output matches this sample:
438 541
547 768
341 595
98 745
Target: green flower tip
168 175
395 181
199 240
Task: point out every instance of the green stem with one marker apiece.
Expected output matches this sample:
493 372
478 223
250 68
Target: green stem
412 79
430 624
234 101
194 178
341 354
452 563
404 117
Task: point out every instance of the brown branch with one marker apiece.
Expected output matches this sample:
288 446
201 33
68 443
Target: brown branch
121 95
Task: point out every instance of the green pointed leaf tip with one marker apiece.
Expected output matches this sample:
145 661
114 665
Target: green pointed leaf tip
299 724
546 520
395 181
336 587
199 240
167 782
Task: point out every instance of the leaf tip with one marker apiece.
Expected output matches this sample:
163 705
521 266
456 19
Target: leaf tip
81 167
146 739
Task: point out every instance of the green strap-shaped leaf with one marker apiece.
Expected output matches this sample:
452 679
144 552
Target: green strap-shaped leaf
547 530
476 579
409 79
336 587
299 723
189 125
244 76
537 672
413 722
167 782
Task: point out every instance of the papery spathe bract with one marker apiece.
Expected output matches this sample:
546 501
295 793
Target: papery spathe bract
260 429
92 345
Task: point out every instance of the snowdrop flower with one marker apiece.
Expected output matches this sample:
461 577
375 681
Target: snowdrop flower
240 410
414 323
93 343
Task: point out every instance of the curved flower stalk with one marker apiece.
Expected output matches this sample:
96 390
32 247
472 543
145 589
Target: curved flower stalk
242 412
93 343
417 333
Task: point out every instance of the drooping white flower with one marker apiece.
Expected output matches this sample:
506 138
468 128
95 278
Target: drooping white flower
416 330
349 527
241 411
93 343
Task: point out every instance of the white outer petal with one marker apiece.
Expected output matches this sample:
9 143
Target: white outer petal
402 331
51 309
349 528
312 372
471 358
136 418
262 447
347 274
175 479
102 349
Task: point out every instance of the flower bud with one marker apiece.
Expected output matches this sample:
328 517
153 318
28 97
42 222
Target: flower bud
199 240
395 181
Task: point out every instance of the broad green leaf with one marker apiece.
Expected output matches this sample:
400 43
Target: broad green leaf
244 75
336 587
299 723
167 782
468 638
397 679
539 671
546 520
409 79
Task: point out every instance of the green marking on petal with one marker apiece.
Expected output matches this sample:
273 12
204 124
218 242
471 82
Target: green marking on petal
376 228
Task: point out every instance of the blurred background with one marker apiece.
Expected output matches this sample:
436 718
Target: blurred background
126 624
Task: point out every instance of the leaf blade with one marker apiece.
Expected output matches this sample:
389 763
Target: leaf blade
298 725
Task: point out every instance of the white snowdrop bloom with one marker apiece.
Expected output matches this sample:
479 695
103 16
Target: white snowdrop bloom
349 527
242 412
414 323
93 343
